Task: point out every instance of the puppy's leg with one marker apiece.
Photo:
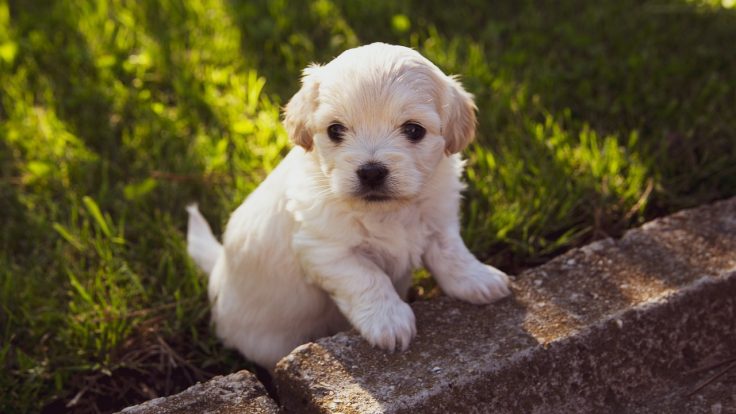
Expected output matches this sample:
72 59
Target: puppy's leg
459 274
363 293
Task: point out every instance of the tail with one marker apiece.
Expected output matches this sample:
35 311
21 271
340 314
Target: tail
201 243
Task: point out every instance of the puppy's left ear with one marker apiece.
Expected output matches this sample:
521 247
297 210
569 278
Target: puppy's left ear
300 106
458 116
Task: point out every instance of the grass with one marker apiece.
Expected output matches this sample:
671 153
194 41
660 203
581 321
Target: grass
594 116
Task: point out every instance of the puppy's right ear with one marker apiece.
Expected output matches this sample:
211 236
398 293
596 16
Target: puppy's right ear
301 105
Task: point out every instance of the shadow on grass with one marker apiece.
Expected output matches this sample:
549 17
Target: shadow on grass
660 68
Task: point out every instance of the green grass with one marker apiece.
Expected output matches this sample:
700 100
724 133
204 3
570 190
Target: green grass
594 116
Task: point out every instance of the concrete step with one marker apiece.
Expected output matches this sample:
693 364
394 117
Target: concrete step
615 326
235 393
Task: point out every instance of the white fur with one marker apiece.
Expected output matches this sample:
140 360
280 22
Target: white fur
305 256
201 243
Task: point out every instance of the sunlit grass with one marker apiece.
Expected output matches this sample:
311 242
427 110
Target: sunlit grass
726 4
113 121
594 116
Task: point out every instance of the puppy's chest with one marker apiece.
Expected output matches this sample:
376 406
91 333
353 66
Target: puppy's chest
395 244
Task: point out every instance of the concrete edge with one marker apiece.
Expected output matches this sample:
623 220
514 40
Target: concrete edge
240 392
622 353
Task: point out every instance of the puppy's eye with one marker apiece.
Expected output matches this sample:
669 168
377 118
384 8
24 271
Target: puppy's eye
335 132
414 132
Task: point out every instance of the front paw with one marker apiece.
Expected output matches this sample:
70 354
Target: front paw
388 325
480 284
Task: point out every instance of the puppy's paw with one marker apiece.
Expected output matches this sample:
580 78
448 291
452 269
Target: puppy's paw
480 284
388 325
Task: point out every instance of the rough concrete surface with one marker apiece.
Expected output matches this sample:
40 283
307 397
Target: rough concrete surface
717 397
235 393
617 326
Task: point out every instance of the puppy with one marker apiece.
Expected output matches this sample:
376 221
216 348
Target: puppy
370 192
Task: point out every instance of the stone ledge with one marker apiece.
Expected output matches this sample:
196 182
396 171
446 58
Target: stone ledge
235 393
609 327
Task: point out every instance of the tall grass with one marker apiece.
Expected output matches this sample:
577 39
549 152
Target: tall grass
594 116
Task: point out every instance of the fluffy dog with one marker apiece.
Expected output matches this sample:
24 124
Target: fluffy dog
370 192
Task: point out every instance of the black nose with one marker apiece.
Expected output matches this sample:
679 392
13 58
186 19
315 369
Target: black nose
372 174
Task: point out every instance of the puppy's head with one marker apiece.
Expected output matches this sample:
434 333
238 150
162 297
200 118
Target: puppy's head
379 119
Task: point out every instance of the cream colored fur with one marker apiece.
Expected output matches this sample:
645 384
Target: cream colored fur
306 255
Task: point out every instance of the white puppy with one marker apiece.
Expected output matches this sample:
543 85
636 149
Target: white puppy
370 193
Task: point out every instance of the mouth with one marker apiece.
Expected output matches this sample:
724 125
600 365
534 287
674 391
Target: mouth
375 196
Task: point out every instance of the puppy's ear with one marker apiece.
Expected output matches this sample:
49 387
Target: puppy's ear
298 110
458 116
